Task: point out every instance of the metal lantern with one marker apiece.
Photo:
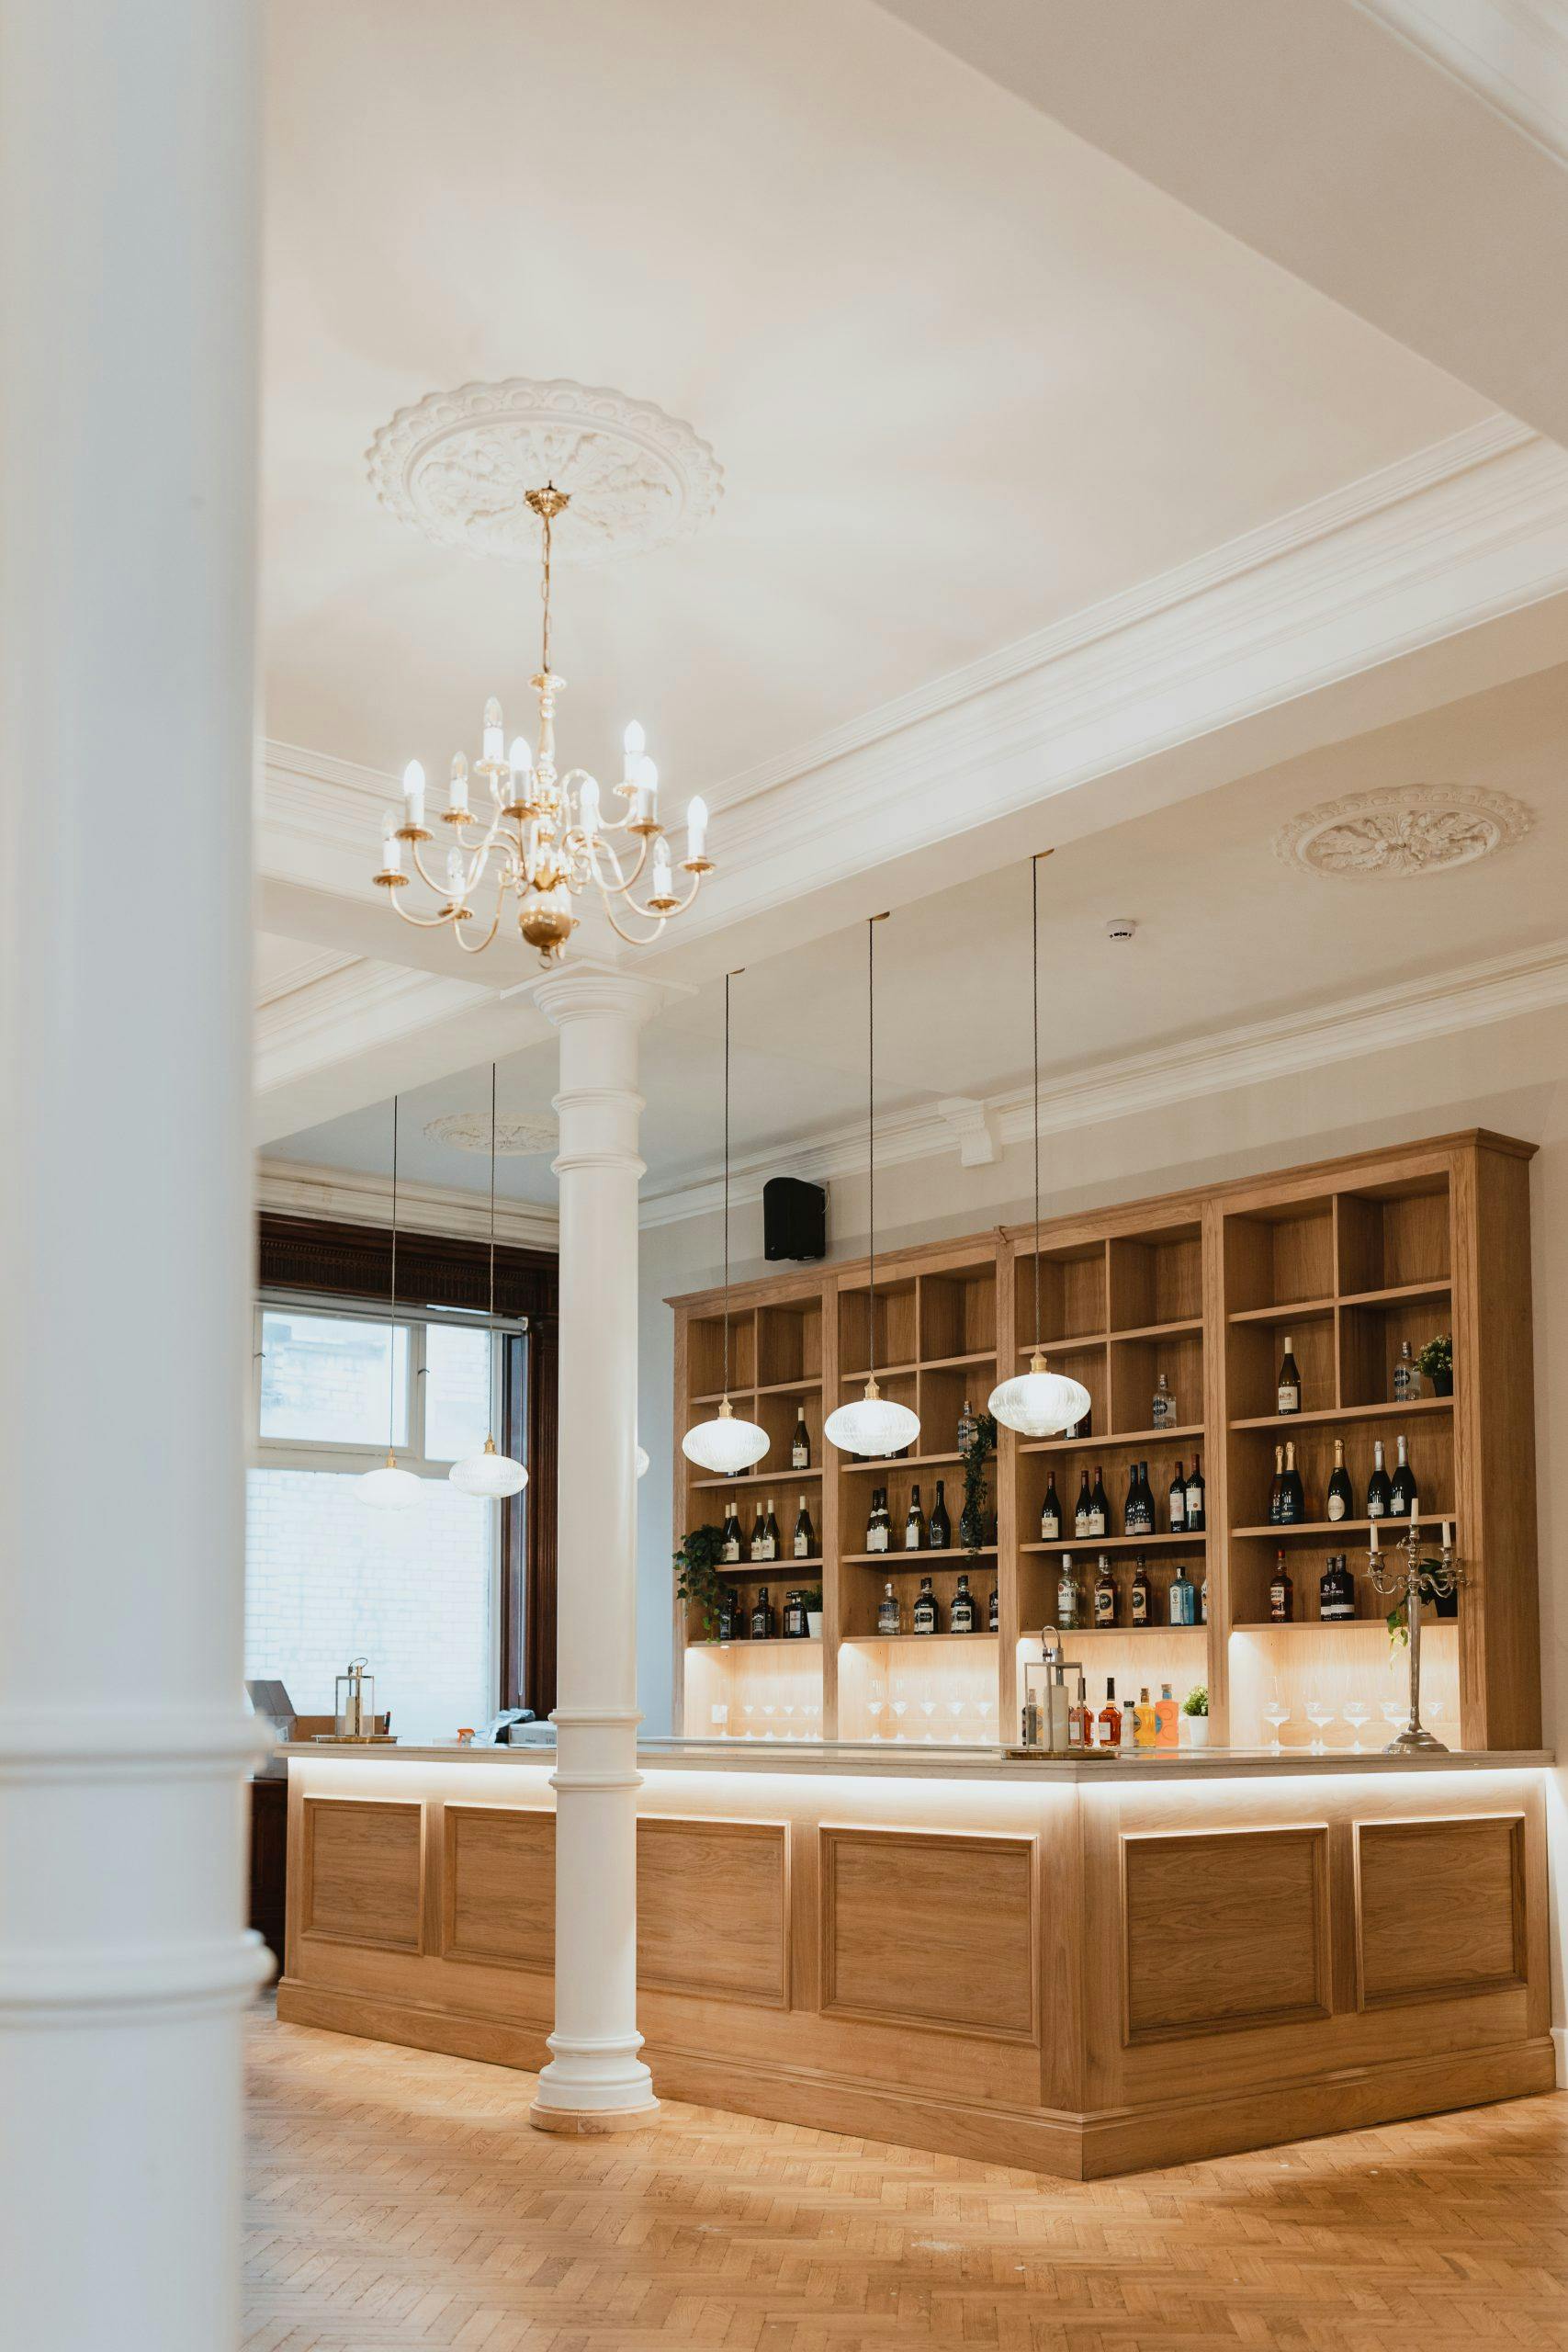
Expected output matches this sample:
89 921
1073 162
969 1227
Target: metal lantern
354 1710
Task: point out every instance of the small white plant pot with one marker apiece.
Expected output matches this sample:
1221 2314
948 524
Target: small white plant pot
1196 1730
813 1623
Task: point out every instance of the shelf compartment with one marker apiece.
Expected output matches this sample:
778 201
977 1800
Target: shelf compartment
1073 1301
789 1341
1431 1447
769 1689
1391 1236
1280 1256
778 1412
898 1328
1357 1664
705 1353
1370 1336
957 1314
1156 1278
1135 1366
1254 1350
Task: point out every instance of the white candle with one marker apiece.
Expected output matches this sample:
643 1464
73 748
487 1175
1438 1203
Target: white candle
647 791
456 874
1414 1509
696 829
391 847
1373 1546
494 734
588 806
1447 1535
662 882
413 794
457 790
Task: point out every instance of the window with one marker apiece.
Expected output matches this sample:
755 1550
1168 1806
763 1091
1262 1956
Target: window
418 1592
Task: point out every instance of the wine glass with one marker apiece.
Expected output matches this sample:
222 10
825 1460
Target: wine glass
985 1713
719 1715
1357 1712
1394 1713
928 1708
1276 1712
1318 1712
748 1712
956 1709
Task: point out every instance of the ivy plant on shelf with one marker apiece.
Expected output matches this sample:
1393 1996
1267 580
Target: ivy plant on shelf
697 1579
974 1456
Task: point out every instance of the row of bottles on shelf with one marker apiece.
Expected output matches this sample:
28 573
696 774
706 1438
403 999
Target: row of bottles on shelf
1186 1603
1186 1505
1405 1385
920 1533
766 1542
1335 1593
1142 1723
1387 1498
962 1615
761 1622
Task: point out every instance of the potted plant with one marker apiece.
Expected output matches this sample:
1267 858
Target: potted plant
1195 1707
697 1579
812 1597
974 1457
1435 1363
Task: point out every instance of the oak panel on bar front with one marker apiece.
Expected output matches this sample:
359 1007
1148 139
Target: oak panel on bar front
363 1873
713 1908
1439 1908
499 1886
923 1929
1224 1930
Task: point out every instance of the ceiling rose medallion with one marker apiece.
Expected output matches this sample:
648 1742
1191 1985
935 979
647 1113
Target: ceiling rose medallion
1403 831
517 1135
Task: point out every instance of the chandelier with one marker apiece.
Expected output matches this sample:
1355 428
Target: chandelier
544 839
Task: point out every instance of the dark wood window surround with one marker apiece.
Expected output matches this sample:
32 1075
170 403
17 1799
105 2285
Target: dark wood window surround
317 1254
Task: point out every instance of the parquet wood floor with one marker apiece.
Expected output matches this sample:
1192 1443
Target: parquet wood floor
398 2198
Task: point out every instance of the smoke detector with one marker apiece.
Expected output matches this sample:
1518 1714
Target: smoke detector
1121 927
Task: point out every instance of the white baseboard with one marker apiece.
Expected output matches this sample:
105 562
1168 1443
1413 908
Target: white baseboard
1560 2043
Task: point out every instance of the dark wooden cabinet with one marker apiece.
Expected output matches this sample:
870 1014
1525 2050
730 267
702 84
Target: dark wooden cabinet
269 1862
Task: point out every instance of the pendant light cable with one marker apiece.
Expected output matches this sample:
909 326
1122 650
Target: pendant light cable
727 978
492 1194
392 1327
871 1127
726 1444
1035 1009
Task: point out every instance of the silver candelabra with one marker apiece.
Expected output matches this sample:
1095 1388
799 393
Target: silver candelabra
1402 1581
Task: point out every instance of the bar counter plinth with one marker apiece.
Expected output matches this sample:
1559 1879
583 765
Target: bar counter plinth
1082 1968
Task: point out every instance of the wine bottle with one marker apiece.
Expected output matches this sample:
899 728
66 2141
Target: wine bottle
1106 1610
1100 1506
805 1535
1379 1487
889 1612
877 1525
729 1550
1140 1594
1197 1499
1084 1428
759 1546
925 1607
1290 1382
1162 1412
1277 1491
1175 1502
1292 1494
1050 1511
1341 1501
961 1615
1183 1597
940 1536
1406 1379
800 1447
1134 1517
1084 1510
1281 1592
1067 1596
776 1538
915 1524
1402 1493
765 1624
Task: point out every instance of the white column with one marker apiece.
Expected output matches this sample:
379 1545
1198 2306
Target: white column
127 428
596 2080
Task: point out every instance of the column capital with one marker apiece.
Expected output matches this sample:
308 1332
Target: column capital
586 991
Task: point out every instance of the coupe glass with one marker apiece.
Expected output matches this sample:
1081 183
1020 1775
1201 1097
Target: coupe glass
1318 1712
1394 1712
1276 1712
1357 1712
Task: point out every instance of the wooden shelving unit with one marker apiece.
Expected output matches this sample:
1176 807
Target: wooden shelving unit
1348 1259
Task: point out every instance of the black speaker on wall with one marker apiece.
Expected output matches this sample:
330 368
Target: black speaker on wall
794 1218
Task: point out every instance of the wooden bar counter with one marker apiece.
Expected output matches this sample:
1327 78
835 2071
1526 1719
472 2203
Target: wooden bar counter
1080 1968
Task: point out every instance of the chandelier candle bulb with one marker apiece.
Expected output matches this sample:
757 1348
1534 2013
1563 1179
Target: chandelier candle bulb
696 834
636 743
414 795
644 803
588 806
391 847
494 737
457 788
456 876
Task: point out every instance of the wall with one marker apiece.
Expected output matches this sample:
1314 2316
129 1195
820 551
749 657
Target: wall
1512 1077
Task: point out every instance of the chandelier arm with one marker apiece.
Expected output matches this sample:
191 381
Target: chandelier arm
477 947
429 881
425 923
630 937
663 914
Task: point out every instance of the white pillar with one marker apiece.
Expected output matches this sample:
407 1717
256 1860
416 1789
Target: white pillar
126 427
596 2080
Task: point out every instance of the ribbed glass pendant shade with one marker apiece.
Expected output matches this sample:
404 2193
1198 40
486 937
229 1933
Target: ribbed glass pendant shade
489 1474
1038 1403
388 1488
872 1424
724 1445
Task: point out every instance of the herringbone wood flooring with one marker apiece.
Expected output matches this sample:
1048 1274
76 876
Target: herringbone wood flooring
399 2198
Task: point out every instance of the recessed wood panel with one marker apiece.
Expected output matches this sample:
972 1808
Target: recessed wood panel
498 1887
713 1908
1439 1908
363 1873
1224 1930
922 1929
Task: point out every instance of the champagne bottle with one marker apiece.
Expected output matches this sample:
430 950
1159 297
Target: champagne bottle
1050 1511
925 1607
915 1526
800 1448
1162 1412
730 1550
1293 1496
941 1525
1084 1510
1177 1502
1140 1594
805 1535
1277 1491
765 1624
877 1525
889 1612
1106 1608
776 1538
1281 1592
1402 1493
1067 1596
961 1615
1290 1382
1341 1501
1380 1490
1197 1499
1100 1506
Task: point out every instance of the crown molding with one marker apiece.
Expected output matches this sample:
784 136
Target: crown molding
1407 1014
344 1009
1511 54
295 1188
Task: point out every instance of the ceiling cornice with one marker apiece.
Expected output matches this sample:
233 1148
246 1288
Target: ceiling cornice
1410 1012
1511 54
345 1009
295 1188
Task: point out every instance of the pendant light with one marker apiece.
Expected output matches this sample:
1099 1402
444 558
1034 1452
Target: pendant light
491 1475
872 1424
391 1488
1038 1403
724 1445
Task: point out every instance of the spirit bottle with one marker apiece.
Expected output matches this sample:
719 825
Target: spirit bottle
925 1607
876 1528
729 1550
1177 1502
1380 1491
1050 1511
1290 1382
805 1535
731 1618
1335 1590
1341 1501
795 1626
889 1613
1168 1724
1402 1493
941 1525
968 1428
1406 1379
1204 1599
1079 1733
1145 1725
915 1524
1108 1724
765 1624
1197 1501
1140 1594
1100 1506
1162 1412
1106 1609
1292 1494
1183 1599
1067 1596
994 1612
1127 1739
1280 1592
800 1448
961 1615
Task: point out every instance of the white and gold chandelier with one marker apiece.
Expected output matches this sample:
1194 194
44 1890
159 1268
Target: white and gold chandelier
545 839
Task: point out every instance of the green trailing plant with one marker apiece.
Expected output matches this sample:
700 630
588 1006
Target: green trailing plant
1398 1625
973 1457
1197 1701
697 1580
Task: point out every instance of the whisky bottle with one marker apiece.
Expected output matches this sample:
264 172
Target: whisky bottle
1277 1491
765 1624
731 1618
1108 1725
1100 1506
729 1550
1380 1490
889 1613
1084 1510
925 1607
915 1524
1050 1511
1335 1590
1140 1594
1402 1493
759 1544
805 1535
940 1537
795 1628
800 1448
876 1528
1067 1596
1146 1724
968 1428
1341 1501
1292 1494
1183 1597
1162 1412
1167 1719
1281 1592
961 1615
1106 1610
994 1612
1290 1382
1197 1498
774 1533
1175 1502
1406 1379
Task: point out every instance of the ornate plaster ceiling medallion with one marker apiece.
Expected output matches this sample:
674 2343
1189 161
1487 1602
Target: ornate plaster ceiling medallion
1407 830
516 1137
458 464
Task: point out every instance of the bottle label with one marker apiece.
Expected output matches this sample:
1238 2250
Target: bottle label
1049 1526
1177 1512
1290 1398
801 1457
1140 1605
1336 1505
1181 1599
802 1548
732 1551
1095 1523
1374 1507
912 1536
1104 1605
876 1539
